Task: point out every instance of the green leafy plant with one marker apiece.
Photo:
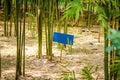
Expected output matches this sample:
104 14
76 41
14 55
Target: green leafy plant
87 72
108 13
115 38
115 66
73 10
68 75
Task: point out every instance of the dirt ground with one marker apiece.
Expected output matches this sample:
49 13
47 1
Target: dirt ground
86 51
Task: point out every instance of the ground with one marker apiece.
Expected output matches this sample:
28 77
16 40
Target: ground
86 51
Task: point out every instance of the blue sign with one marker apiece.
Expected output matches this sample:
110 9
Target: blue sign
63 38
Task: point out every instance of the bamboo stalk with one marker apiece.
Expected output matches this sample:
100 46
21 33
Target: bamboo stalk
0 66
23 36
89 15
106 54
5 18
50 29
18 60
45 9
39 25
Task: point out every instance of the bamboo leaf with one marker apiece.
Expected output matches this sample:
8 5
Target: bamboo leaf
73 10
109 48
113 31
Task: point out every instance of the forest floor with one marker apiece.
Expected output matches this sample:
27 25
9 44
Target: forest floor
86 51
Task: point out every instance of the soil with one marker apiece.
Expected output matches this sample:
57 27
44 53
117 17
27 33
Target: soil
86 51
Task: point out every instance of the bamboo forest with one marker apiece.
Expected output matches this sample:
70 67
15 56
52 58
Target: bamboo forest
59 39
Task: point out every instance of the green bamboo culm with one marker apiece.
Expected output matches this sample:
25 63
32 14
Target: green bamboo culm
7 13
58 25
106 72
39 26
0 4
104 11
11 16
56 14
45 10
23 36
0 66
106 41
10 32
50 28
5 17
0 53
111 75
20 35
89 14
65 24
18 63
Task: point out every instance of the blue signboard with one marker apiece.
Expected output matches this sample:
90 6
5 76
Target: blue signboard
63 38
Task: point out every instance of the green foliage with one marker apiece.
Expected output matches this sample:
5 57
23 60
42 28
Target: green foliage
62 2
31 15
106 10
68 75
102 17
73 10
116 68
115 38
87 72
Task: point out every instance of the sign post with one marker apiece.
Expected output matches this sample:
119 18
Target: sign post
63 39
